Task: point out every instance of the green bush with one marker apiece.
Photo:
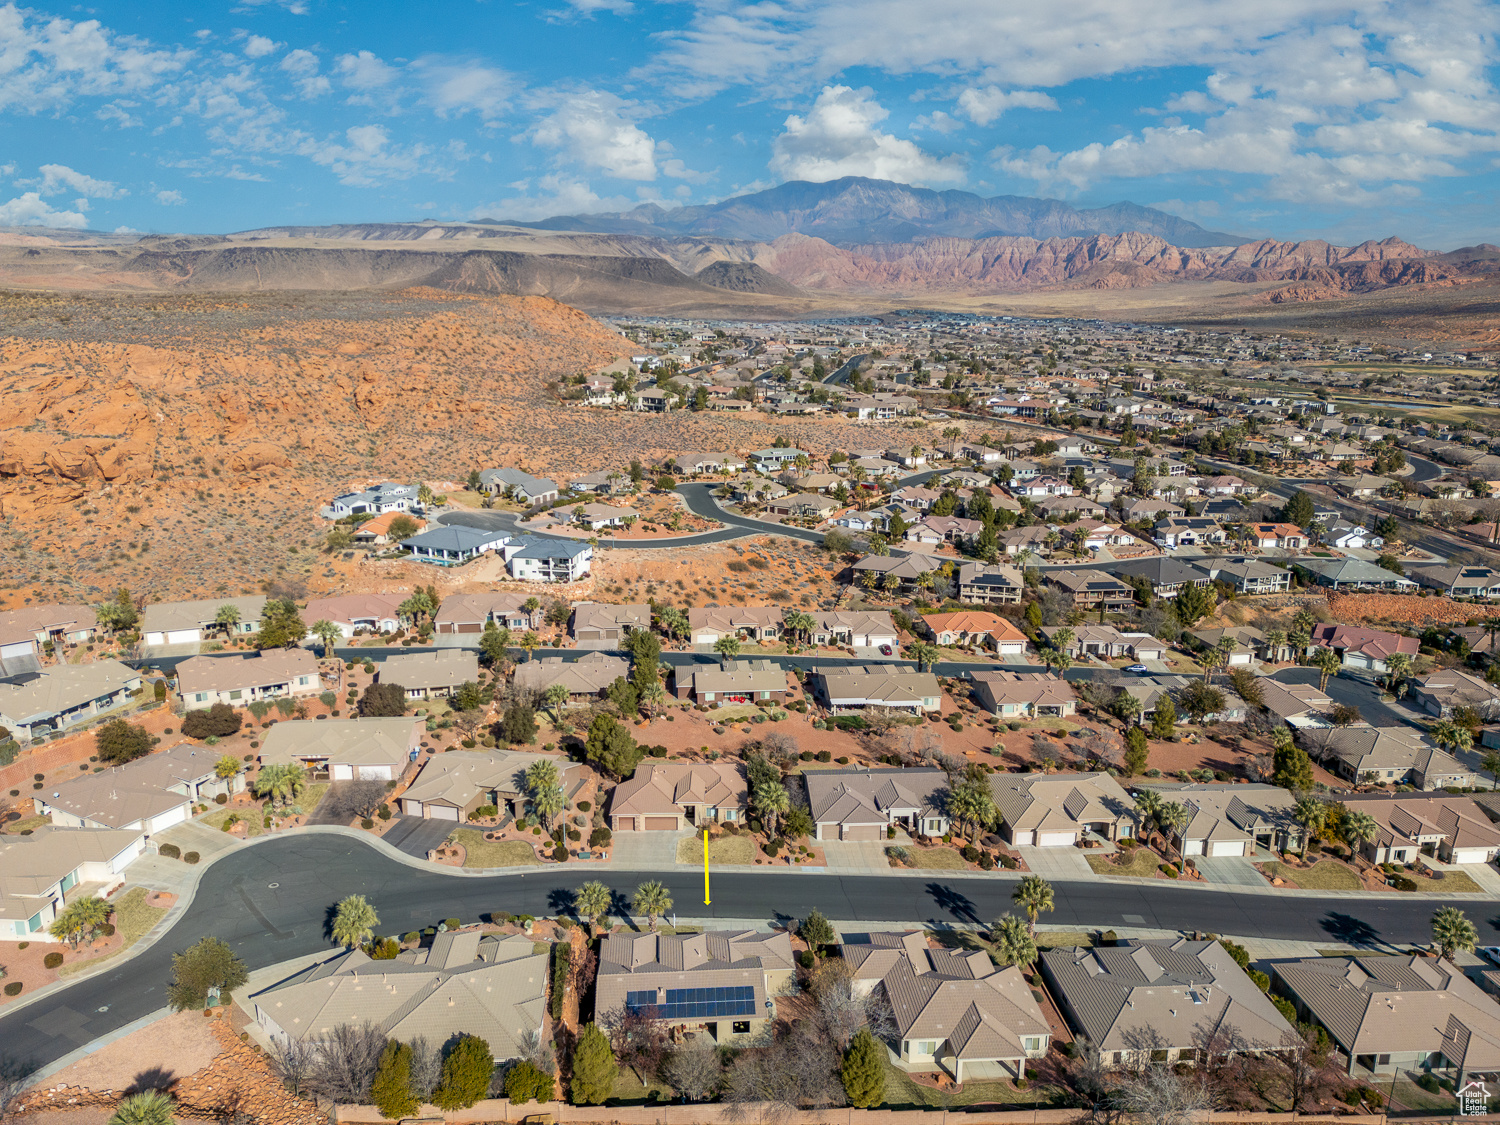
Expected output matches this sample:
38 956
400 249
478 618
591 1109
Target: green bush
191 857
1429 1083
1262 980
367 823
52 960
1286 1008
562 957
525 1083
13 988
466 1074
171 851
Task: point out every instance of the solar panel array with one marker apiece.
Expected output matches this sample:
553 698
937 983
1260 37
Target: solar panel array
696 1003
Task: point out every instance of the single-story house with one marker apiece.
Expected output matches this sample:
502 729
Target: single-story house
1453 828
1103 641
355 613
735 681
1438 693
551 560
724 982
1388 755
809 504
425 674
595 516
1188 531
1363 648
37 872
377 532
1396 1013
470 613
1248 643
707 624
587 677
854 628
464 983
148 794
861 804
346 749
241 678
876 685
1012 695
671 796
452 785
1459 581
906 569
954 1009
1158 999
63 695
454 546
970 627
1352 574
600 625
518 484
177 623
1287 536
1232 820
26 632
1166 576
1058 810
1247 575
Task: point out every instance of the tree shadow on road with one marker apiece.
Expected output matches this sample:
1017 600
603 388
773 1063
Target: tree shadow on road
957 906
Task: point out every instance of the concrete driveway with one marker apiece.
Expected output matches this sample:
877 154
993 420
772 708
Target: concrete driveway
1230 870
646 850
848 855
1057 863
417 836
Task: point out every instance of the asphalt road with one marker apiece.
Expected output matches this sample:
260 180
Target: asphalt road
1351 691
272 901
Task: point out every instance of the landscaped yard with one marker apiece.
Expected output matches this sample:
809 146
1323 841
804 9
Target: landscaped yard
133 921
1325 875
731 850
1412 1096
312 796
251 818
479 852
26 824
1141 864
903 1093
936 859
1452 883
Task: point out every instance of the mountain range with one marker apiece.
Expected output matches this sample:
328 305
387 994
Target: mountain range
858 210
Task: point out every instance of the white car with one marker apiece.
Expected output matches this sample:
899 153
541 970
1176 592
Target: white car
1490 953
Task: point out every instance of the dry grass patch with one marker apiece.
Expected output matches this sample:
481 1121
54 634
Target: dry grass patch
1140 864
730 850
1454 883
133 921
936 859
251 818
479 852
1325 875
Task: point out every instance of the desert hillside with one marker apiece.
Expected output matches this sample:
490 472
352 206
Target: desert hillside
183 444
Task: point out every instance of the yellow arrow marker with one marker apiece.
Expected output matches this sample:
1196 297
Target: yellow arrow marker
706 899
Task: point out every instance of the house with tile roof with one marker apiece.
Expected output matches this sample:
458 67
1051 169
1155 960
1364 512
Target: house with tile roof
455 545
992 585
1363 648
1287 536
378 499
1453 828
1352 574
707 624
37 871
1246 575
734 681
377 532
551 560
855 628
907 569
464 983
241 678
27 631
1028 695
587 677
471 613
1159 999
723 982
148 794
1459 581
1396 1013
450 786
607 626
860 804
1386 755
844 687
1232 820
63 695
436 672
954 1009
974 628
1438 693
670 796
356 613
346 749
1058 810
176 623
1092 589
518 484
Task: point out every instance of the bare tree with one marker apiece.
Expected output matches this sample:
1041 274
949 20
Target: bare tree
1220 1049
639 1039
467 723
346 1062
1092 1085
842 1010
797 1068
292 1060
426 1067
694 1072
349 799
536 1050
1142 1044
1159 1095
782 749
1304 1069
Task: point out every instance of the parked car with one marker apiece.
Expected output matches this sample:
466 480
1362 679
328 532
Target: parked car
885 650
1490 953
1137 669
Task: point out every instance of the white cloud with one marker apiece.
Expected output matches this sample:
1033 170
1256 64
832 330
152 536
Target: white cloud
367 156
365 71
938 122
113 111
592 128
460 87
295 7
303 66
30 210
56 177
556 195
169 198
839 137
258 46
985 105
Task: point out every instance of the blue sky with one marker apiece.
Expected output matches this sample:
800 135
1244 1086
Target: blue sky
1285 118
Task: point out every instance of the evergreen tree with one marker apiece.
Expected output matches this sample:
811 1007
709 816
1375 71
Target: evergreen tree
524 1082
1137 751
1293 768
466 1074
863 1070
1193 603
594 1068
519 724
1299 509
209 964
1164 718
391 1090
118 742
612 748
281 624
817 930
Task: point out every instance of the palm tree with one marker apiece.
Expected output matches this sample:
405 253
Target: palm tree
281 781
1014 942
1397 666
1298 638
1275 642
354 922
772 802
150 1107
1453 932
1033 894
727 648
1063 639
1327 662
924 654
652 696
591 902
1311 814
1359 828
1226 648
548 802
530 642
1173 818
327 632
801 624
554 697
227 617
1148 805
652 900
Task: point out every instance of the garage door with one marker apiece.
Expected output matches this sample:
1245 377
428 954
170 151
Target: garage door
441 812
181 636
1230 847
1055 839
624 824
863 833
446 627
341 773
374 773
169 818
470 627
661 824
412 808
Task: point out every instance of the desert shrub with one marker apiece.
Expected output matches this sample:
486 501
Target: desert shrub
191 857
218 721
171 851
52 960
13 988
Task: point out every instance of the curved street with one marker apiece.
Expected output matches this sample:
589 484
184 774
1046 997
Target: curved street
271 902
